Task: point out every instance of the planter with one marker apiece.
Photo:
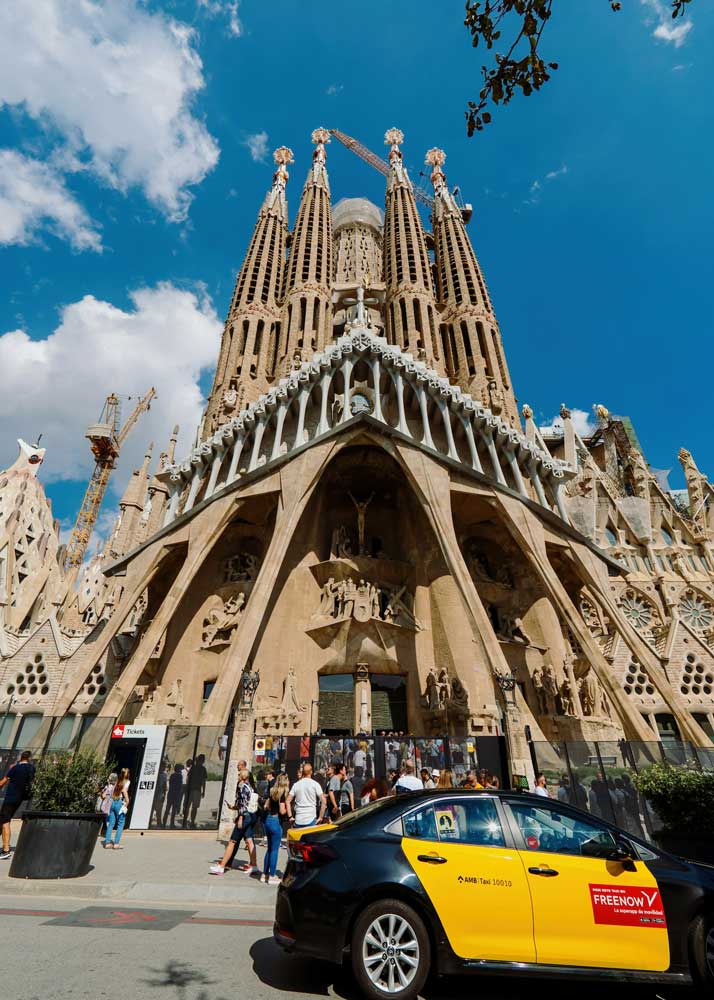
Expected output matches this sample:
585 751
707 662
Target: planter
55 844
691 846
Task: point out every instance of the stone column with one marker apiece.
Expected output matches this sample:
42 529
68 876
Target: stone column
241 749
363 699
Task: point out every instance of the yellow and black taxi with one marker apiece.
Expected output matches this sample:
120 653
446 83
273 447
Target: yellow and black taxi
458 881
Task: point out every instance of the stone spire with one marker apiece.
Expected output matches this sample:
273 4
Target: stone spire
247 360
152 517
307 311
127 529
471 341
701 494
410 304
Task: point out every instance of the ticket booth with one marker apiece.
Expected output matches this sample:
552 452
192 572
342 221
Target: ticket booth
140 749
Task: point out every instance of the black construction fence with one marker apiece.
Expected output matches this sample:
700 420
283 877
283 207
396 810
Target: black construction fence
599 776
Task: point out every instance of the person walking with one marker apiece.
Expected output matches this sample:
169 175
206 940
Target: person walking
309 800
333 783
427 779
117 811
347 792
276 808
246 805
105 798
175 795
446 779
540 787
408 781
18 784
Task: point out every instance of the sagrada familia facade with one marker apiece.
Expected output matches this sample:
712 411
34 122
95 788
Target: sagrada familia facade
370 534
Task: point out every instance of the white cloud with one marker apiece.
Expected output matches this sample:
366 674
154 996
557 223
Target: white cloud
116 82
536 188
33 194
257 146
583 423
58 385
334 89
667 28
560 172
224 8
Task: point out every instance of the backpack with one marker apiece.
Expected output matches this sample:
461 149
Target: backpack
253 803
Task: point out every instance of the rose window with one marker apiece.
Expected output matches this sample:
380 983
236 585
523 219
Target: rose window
637 611
696 612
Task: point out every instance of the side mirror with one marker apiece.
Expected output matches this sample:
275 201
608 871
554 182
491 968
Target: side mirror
622 852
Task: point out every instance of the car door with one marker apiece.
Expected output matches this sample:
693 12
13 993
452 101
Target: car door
474 878
588 911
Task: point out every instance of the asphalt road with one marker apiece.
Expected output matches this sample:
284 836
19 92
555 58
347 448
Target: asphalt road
211 953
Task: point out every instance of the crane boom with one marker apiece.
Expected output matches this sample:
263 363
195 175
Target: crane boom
376 161
105 440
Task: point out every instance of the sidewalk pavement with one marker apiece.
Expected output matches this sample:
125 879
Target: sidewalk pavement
156 868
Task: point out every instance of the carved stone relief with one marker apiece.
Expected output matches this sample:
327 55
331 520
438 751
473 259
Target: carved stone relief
221 621
365 600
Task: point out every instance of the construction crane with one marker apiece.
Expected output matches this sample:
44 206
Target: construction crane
383 167
105 440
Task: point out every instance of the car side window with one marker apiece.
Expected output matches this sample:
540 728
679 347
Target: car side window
421 824
472 820
547 829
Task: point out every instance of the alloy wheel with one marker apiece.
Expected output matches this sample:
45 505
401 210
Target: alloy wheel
709 951
390 953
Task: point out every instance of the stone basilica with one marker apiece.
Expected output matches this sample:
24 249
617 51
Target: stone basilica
370 535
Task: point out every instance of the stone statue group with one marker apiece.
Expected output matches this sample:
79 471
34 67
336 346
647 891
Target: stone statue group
364 600
560 699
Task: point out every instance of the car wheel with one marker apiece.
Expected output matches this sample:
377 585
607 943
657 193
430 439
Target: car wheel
702 951
391 951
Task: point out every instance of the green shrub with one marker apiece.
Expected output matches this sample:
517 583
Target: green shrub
69 781
683 797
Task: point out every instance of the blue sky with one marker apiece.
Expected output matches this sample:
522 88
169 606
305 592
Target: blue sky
131 171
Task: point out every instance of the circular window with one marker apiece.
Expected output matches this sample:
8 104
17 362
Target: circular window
21 689
102 690
10 688
38 658
628 689
97 669
695 689
33 689
689 668
649 689
684 690
29 668
707 689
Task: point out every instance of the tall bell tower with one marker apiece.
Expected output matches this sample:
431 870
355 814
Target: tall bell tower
248 358
471 341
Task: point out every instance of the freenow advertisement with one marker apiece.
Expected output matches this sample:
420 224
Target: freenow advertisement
627 905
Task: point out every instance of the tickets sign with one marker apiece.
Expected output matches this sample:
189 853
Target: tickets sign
627 905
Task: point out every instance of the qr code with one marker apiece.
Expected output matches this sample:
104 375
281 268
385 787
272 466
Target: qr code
150 768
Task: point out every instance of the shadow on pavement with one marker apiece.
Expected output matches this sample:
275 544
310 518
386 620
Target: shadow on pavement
295 974
179 978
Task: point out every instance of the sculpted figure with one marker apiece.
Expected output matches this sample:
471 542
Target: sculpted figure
329 599
432 692
290 704
550 685
361 506
541 695
566 698
459 694
443 688
375 595
588 693
219 624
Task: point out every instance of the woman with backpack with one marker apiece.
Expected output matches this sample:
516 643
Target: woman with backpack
118 809
246 805
276 812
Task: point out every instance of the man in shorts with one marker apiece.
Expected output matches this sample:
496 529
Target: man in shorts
17 783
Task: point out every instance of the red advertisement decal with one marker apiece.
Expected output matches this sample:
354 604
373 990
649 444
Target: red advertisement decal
627 905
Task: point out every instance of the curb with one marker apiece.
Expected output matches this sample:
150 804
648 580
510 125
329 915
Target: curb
215 892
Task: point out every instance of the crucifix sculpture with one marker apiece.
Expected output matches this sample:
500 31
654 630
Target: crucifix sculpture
361 517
